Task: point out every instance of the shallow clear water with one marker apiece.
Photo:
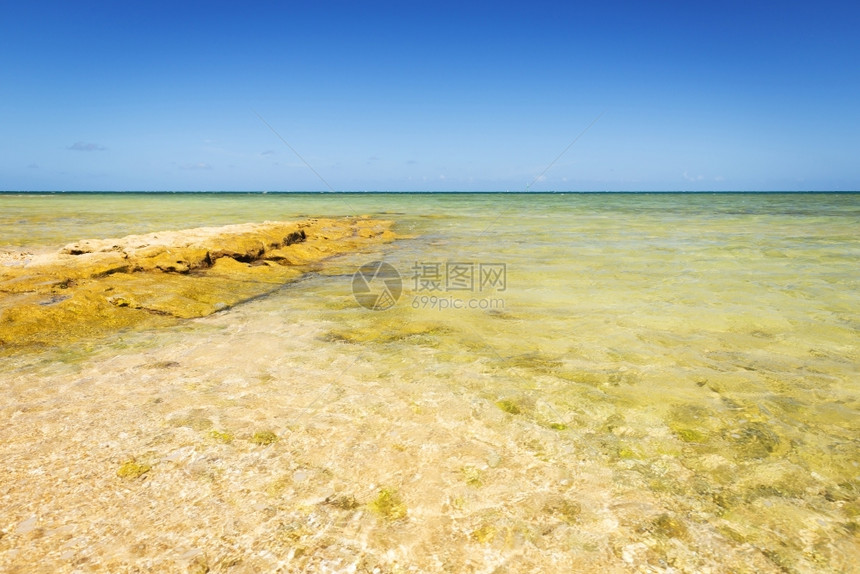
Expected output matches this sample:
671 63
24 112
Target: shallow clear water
656 381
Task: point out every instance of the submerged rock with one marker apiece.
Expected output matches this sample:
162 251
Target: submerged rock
342 501
754 440
222 436
509 406
668 527
388 505
93 287
484 534
565 509
263 438
133 469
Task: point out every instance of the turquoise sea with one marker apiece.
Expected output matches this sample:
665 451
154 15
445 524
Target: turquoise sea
564 382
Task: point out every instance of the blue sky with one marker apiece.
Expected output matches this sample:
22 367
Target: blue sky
423 96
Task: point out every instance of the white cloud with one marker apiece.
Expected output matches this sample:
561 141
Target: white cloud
689 177
86 146
198 165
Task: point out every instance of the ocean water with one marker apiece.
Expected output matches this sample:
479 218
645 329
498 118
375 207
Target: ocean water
565 382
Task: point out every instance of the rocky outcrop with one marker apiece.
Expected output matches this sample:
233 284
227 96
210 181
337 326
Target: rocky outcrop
96 286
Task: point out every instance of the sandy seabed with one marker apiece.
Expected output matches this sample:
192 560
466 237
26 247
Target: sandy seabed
229 449
618 415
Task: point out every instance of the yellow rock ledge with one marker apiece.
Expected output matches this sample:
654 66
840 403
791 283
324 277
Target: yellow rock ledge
93 287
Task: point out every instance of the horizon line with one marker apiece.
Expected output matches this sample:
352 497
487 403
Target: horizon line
424 192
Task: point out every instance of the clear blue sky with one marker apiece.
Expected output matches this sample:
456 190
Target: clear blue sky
414 95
